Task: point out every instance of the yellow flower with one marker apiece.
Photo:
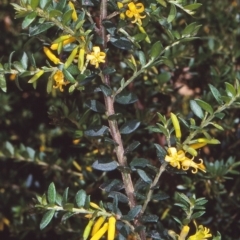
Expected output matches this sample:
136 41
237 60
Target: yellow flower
175 157
134 11
179 160
190 163
54 46
122 15
3 221
184 232
96 57
59 79
202 233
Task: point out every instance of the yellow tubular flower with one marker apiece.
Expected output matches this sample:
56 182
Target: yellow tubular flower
197 145
111 228
184 233
202 233
59 79
97 225
54 46
96 57
100 232
176 125
87 229
134 11
74 13
71 57
81 59
186 164
94 205
51 56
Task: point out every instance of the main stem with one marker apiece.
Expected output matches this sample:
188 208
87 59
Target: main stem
114 130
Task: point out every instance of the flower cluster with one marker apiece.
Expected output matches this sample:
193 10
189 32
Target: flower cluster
96 57
179 160
97 227
134 10
202 233
59 80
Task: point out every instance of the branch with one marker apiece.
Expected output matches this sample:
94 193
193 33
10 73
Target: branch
114 130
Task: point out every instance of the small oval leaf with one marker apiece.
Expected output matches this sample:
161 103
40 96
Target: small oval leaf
105 166
129 127
197 110
47 217
80 198
51 193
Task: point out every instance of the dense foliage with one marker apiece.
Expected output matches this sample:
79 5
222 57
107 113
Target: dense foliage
152 102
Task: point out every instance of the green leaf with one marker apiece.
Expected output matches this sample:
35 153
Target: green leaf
216 94
193 6
156 50
3 83
39 28
138 162
134 212
121 43
110 27
207 107
142 58
144 176
47 217
125 97
131 147
104 166
44 3
61 4
161 152
190 29
218 237
108 70
197 110
164 77
95 106
59 199
51 194
231 92
96 131
24 60
112 185
67 216
139 37
34 4
80 198
107 91
162 2
29 19
65 196
160 196
129 126
120 196
55 13
67 16
173 13
68 76
197 214
18 66
149 218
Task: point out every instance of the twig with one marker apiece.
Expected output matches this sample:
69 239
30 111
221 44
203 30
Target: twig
153 184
